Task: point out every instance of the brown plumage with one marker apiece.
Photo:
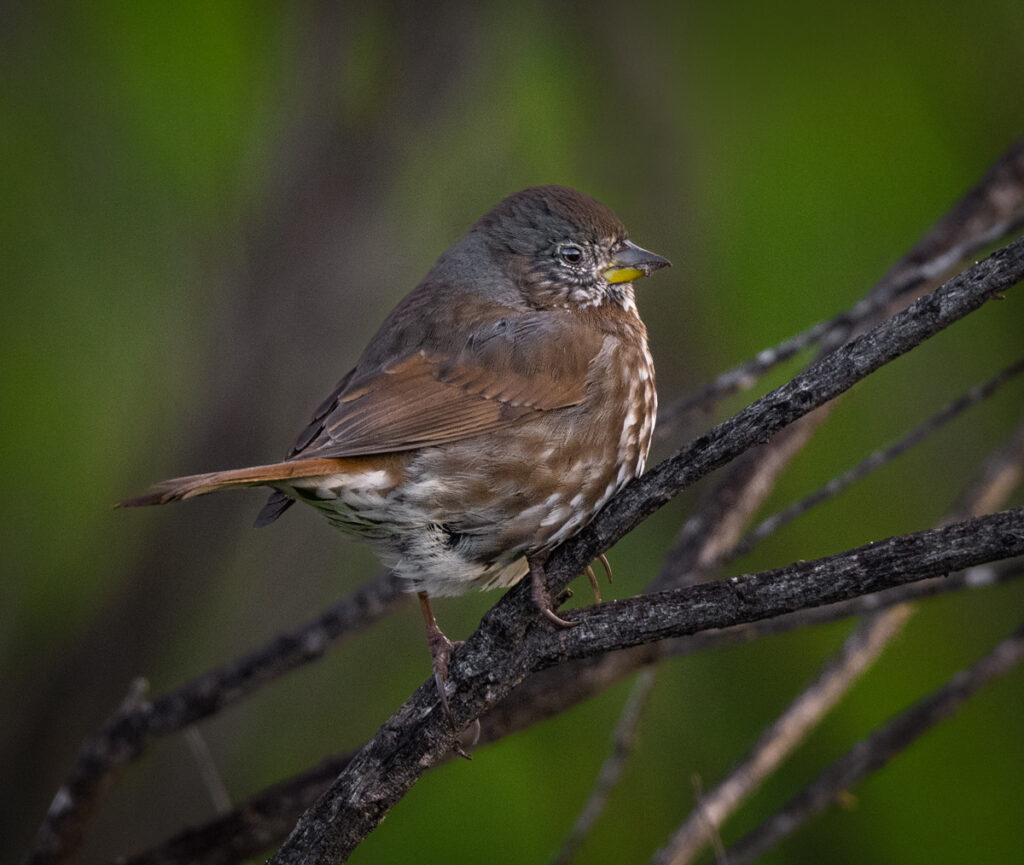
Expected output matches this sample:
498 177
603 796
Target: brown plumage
498 407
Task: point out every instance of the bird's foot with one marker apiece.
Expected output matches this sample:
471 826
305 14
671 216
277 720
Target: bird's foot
592 577
539 592
441 649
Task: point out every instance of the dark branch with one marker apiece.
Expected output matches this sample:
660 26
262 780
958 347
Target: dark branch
510 642
629 622
977 577
611 769
268 816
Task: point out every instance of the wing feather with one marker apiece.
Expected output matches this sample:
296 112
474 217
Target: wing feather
501 374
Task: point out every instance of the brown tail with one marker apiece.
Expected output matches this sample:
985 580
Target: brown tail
178 489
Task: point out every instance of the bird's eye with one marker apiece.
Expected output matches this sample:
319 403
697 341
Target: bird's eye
571 254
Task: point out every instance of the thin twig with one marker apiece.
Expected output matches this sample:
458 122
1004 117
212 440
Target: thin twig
877 749
873 462
611 769
779 739
1001 473
708 535
212 779
712 831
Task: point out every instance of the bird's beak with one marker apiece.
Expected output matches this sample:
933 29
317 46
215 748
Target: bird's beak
633 262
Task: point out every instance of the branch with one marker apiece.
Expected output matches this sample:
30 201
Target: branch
267 817
876 750
511 641
628 622
981 576
552 691
1001 473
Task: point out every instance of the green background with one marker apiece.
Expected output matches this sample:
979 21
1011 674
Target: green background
206 209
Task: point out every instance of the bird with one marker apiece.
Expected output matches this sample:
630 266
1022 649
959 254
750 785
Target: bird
497 409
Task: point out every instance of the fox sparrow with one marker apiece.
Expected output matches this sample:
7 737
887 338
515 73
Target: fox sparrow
498 408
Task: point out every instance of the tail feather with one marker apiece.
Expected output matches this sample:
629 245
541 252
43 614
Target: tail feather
179 489
276 505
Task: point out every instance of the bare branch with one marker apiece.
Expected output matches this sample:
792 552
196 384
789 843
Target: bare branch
978 577
212 779
1000 475
269 815
707 536
548 692
876 750
511 641
628 622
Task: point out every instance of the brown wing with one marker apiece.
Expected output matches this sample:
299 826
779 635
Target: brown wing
500 374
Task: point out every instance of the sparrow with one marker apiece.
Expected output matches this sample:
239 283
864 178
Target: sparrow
498 408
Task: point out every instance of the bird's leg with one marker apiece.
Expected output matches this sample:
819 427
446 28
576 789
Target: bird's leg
539 592
441 649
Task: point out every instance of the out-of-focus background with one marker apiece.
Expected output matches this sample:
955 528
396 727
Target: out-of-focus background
206 210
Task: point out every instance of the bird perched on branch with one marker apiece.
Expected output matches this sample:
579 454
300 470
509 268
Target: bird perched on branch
496 410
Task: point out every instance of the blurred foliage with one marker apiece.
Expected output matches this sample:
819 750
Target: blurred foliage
207 207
